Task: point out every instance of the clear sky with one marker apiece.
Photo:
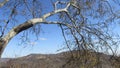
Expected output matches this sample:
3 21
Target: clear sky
48 42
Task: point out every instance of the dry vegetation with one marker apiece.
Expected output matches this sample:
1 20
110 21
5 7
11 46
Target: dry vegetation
64 60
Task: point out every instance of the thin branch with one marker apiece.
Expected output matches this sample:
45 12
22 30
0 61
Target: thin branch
66 40
14 31
7 22
3 3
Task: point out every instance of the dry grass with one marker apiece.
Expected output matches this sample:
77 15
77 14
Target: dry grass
64 60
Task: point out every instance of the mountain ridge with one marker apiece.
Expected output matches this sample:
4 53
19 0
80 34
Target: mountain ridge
60 60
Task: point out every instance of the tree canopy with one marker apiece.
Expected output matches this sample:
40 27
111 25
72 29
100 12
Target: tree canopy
85 24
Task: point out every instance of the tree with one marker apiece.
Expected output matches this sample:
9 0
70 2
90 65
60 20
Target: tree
85 24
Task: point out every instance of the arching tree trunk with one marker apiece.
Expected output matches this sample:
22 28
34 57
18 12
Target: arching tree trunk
15 30
3 44
5 40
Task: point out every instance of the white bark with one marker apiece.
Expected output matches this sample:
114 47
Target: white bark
26 25
3 3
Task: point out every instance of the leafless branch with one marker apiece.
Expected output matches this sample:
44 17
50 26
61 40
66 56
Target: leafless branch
3 3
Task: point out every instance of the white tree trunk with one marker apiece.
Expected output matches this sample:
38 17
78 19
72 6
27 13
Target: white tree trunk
14 31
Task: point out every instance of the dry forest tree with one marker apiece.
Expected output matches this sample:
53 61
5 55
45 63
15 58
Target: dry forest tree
86 25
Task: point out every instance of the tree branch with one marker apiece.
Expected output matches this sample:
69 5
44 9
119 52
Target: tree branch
30 23
3 3
26 25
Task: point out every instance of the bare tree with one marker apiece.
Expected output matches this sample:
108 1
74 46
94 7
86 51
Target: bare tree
85 24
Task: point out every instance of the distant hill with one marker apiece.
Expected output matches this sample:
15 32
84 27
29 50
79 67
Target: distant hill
60 60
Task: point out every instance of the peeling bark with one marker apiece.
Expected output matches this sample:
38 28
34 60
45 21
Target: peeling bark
23 27
3 3
26 25
2 44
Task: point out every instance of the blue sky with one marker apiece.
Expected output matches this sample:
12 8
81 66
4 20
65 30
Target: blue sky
48 42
